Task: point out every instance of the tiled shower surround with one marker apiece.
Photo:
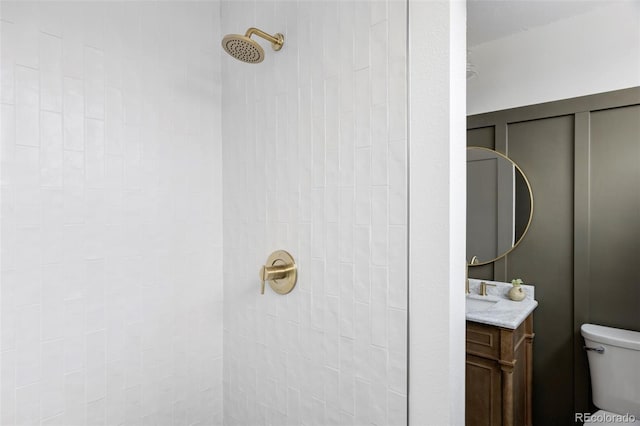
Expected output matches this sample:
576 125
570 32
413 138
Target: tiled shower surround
139 162
315 163
111 214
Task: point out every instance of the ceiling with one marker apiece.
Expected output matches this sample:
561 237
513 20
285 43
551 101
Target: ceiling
489 20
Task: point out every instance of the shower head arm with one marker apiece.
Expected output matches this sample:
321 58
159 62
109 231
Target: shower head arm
277 40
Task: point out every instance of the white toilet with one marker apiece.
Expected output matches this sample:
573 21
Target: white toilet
614 363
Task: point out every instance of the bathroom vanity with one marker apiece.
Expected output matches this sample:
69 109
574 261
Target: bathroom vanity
499 356
499 343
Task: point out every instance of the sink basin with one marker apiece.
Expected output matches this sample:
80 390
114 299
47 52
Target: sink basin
474 304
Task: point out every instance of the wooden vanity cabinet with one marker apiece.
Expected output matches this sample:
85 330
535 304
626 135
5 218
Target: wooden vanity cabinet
499 366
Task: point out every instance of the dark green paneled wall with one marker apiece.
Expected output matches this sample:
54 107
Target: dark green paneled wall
582 157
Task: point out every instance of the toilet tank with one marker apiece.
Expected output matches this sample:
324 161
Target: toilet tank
615 373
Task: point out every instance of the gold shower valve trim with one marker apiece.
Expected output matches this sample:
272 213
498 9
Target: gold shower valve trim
281 272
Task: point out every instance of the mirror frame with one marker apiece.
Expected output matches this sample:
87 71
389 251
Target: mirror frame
526 229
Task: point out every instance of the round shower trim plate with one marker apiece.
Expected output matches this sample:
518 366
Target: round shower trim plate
277 46
286 284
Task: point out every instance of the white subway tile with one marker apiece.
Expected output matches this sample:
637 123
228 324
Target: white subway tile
8 46
74 356
73 169
397 99
24 286
379 245
347 219
114 172
26 37
51 149
363 402
379 146
347 78
378 11
94 87
93 24
330 40
347 300
28 334
397 413
332 332
319 412
27 206
360 31
52 396
362 339
332 271
319 160
95 295
379 59
74 396
398 267
379 319
7 392
96 343
58 420
96 412
28 404
50 72
27 166
293 405
27 87
397 350
397 16
318 237
52 241
73 106
27 248
95 384
72 45
53 276
379 403
114 121
397 183
53 320
346 150
94 153
362 284
379 206
27 125
8 137
362 107
52 208
363 205
363 167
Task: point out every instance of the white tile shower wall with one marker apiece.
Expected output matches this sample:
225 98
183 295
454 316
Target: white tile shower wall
314 149
111 285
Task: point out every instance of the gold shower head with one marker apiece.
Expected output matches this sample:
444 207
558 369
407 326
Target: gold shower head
244 49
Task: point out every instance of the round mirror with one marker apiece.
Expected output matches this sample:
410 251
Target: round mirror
499 205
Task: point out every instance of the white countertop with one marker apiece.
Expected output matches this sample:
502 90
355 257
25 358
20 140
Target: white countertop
505 313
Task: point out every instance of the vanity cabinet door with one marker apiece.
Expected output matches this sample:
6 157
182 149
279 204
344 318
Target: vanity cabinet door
483 392
498 374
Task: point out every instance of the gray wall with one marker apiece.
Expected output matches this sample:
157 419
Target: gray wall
582 157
